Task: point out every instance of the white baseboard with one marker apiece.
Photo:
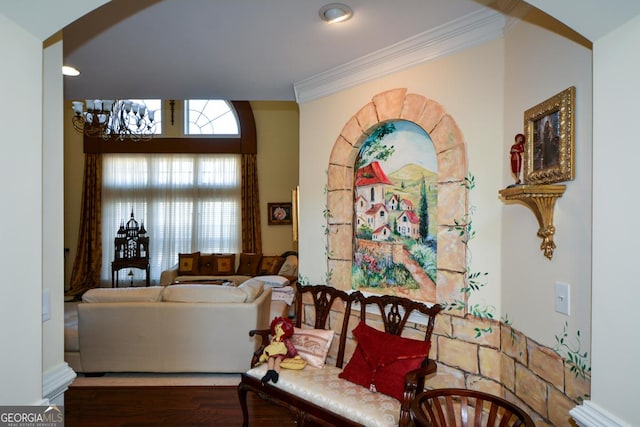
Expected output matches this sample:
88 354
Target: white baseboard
56 381
591 415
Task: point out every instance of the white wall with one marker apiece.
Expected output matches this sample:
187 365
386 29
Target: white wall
20 216
616 288
540 64
27 231
55 371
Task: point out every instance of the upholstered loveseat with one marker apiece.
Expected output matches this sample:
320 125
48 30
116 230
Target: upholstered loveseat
178 328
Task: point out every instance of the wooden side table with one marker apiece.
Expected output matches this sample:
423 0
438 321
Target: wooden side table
141 264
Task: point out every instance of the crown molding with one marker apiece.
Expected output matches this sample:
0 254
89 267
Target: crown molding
462 33
514 10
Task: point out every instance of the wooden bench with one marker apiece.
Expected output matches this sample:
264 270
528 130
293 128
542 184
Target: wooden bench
309 394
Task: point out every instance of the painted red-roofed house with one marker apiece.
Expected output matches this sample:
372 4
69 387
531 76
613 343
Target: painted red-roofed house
382 233
408 225
393 202
370 183
406 205
361 204
377 216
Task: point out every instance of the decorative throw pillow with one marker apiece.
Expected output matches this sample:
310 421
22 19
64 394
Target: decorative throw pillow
381 360
312 344
253 288
249 263
188 264
270 265
224 263
205 265
289 267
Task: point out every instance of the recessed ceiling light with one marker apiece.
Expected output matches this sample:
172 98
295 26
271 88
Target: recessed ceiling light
69 71
335 12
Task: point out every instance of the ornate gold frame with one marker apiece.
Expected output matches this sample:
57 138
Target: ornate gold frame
549 156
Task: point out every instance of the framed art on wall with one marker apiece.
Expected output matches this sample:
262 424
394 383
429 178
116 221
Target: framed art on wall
549 147
280 213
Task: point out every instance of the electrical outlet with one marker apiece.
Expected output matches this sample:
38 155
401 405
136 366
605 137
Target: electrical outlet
562 298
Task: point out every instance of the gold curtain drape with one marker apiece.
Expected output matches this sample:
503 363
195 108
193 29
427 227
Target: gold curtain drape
88 261
251 235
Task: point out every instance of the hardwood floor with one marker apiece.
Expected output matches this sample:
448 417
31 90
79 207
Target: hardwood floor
180 406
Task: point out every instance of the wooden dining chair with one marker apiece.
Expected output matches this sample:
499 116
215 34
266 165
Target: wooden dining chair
455 407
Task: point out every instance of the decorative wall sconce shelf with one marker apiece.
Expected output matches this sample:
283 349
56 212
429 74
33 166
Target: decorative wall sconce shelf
541 199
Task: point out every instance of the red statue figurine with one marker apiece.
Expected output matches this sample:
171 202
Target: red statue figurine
516 157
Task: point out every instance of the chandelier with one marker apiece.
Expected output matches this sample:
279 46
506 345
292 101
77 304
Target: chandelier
117 119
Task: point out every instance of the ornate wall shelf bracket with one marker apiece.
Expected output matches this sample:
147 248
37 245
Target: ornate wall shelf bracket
541 199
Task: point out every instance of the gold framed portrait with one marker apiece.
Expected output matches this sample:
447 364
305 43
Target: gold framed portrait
549 148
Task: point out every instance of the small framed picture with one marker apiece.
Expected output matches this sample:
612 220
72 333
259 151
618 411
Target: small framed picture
280 213
549 147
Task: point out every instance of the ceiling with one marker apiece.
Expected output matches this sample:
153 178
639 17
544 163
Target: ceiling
259 49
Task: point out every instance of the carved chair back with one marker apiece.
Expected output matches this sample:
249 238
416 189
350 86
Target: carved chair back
394 312
454 407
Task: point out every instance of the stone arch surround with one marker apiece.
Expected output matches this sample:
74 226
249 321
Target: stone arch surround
398 104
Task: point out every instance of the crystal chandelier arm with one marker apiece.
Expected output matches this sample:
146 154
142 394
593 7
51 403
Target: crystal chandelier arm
111 118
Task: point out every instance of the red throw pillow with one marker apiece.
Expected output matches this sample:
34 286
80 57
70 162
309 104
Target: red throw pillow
381 360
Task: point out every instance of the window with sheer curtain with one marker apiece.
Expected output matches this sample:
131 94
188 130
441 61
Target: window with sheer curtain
187 202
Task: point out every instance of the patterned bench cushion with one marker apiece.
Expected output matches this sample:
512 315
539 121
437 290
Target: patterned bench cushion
322 387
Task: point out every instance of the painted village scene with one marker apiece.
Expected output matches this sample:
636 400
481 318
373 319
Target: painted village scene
395 213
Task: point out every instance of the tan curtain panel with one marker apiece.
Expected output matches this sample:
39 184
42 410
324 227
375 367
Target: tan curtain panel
88 262
251 236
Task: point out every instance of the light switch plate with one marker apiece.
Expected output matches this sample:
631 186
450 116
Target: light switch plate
562 298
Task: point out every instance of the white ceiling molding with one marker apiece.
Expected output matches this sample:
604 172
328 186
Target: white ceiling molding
470 30
514 10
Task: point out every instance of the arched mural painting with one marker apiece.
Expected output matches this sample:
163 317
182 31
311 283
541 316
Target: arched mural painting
359 153
395 233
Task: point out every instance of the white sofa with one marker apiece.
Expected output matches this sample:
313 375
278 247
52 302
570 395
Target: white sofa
178 328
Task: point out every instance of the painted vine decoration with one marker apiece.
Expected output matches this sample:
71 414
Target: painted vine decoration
573 355
326 213
474 281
